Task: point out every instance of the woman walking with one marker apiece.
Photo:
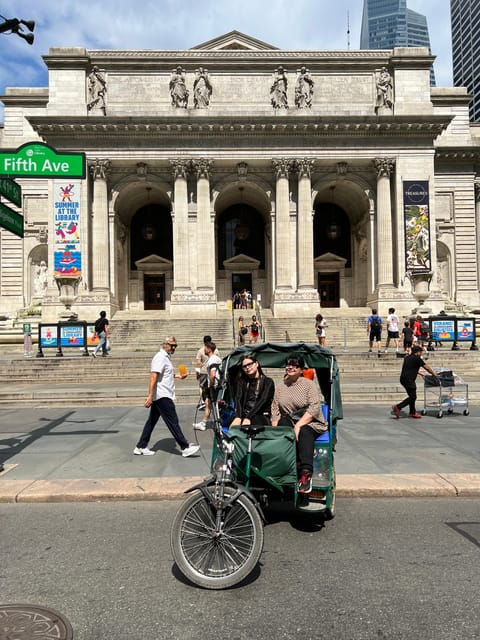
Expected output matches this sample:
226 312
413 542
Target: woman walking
320 327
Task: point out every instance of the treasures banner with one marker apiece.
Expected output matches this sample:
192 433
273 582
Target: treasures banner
417 225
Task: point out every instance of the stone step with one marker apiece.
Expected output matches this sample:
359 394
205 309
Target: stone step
124 381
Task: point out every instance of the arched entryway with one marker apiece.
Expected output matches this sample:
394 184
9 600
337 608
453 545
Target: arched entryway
241 247
340 240
332 251
243 240
151 252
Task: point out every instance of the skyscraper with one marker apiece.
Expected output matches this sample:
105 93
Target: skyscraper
388 23
465 16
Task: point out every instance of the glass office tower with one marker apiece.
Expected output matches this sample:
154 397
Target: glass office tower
465 16
389 23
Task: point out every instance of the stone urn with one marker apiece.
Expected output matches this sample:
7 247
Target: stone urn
420 281
67 291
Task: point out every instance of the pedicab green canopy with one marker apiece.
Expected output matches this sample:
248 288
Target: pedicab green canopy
274 354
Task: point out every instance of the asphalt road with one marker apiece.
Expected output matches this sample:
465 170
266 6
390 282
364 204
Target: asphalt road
396 569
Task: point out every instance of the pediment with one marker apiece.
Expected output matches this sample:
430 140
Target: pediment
330 259
237 41
241 263
154 264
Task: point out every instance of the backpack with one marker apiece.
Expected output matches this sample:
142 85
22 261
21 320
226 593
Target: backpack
425 328
98 325
375 323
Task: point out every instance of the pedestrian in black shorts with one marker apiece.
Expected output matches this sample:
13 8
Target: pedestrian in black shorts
374 331
407 333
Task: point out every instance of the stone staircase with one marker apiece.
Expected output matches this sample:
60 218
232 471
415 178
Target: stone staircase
122 378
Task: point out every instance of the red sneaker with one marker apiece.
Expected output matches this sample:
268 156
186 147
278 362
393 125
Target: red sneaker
396 411
417 416
305 482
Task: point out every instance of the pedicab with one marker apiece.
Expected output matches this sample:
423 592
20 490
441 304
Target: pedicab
217 534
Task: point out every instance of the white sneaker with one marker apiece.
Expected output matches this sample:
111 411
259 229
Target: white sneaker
143 452
190 450
200 426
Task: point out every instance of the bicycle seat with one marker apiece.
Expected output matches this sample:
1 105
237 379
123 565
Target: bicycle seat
252 429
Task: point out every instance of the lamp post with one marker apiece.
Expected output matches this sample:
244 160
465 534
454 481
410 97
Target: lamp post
14 25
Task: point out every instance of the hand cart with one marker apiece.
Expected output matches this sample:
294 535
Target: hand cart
445 392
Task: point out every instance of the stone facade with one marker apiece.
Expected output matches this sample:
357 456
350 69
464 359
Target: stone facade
209 171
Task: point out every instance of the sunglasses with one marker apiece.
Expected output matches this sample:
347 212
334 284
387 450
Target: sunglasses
172 344
247 365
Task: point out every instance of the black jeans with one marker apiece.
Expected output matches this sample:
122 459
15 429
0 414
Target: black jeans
411 389
165 408
305 444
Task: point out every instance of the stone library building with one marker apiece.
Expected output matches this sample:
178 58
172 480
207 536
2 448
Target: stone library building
311 179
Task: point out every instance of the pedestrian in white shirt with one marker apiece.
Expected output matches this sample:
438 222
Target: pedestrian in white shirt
160 401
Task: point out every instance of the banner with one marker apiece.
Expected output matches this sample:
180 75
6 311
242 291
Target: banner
67 257
417 225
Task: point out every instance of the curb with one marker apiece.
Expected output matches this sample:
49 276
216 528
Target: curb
173 488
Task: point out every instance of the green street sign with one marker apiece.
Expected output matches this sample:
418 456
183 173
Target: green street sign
39 160
11 220
11 191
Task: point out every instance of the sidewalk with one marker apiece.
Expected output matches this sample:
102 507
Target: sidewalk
85 453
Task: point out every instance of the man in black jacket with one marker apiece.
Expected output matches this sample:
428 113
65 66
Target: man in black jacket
410 369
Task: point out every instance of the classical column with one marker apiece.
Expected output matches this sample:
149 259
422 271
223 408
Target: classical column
476 186
181 262
205 228
305 225
282 225
100 237
384 168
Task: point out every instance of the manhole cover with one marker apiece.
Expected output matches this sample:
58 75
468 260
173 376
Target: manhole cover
27 622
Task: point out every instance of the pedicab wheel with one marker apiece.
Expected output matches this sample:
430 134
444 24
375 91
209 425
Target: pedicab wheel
423 412
466 412
440 414
449 410
331 510
216 562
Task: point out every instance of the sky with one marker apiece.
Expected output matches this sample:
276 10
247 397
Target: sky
182 24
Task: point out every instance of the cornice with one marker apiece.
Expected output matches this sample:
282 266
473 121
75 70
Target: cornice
218 59
242 126
458 153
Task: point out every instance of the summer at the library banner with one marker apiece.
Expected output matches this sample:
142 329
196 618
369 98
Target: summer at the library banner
67 256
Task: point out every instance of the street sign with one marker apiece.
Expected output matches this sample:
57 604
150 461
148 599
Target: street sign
11 220
11 191
38 160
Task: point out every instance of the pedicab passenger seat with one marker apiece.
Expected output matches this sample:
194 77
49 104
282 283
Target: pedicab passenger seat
273 453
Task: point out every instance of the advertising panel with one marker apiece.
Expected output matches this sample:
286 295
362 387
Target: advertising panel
48 335
92 338
443 330
72 335
465 329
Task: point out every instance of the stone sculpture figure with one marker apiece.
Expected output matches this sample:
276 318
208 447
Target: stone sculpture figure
304 89
40 281
178 89
97 88
278 90
384 90
202 89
